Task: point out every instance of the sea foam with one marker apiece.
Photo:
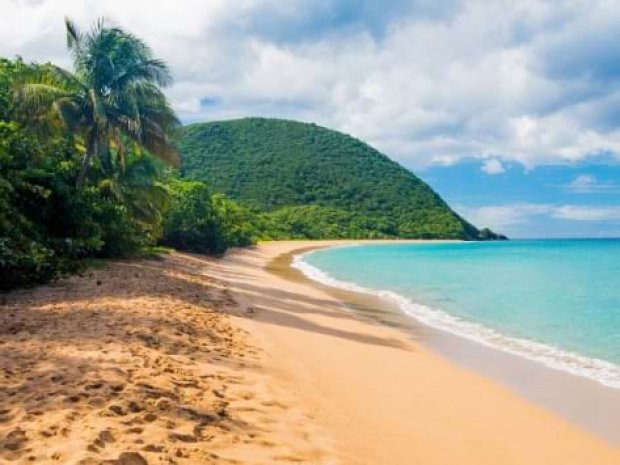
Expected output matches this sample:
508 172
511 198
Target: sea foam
606 373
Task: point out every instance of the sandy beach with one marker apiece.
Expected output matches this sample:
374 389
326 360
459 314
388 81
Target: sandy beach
384 398
191 360
140 362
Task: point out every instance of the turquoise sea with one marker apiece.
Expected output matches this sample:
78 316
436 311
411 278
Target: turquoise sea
553 301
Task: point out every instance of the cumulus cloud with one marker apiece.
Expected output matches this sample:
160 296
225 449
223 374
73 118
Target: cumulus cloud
426 82
493 166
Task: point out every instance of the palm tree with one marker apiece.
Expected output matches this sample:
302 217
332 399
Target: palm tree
113 96
134 183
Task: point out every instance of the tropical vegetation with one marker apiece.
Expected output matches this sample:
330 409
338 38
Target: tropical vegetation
311 182
112 99
94 164
86 163
202 222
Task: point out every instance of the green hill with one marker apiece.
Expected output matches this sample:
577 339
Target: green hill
316 183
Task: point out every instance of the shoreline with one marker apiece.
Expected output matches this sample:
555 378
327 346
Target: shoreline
596 369
188 359
529 378
405 405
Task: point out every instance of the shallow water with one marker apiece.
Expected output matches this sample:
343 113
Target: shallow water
554 301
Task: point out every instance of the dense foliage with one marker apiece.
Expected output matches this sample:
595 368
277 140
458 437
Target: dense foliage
112 99
84 171
48 225
33 192
201 222
314 182
80 174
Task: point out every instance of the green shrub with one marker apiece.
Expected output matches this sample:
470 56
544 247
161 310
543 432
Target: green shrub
201 222
48 226
42 234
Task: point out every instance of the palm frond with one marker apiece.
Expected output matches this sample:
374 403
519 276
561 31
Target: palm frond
146 117
70 112
37 89
150 70
113 96
99 114
74 36
162 148
154 139
140 171
65 79
39 97
75 43
148 202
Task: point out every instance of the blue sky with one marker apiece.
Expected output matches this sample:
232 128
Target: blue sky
509 109
577 200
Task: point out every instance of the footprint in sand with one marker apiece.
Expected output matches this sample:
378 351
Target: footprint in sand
135 430
154 448
96 402
288 458
105 437
94 385
74 399
15 440
273 403
114 410
130 458
6 415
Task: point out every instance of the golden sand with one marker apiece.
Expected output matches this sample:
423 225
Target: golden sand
189 360
381 396
139 362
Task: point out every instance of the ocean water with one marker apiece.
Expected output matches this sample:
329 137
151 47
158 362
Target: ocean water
553 301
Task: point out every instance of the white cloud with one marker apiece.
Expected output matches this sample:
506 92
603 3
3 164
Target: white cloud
587 213
587 183
583 183
425 82
501 217
493 166
510 217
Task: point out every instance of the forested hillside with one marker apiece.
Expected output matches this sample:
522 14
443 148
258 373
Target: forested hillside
315 182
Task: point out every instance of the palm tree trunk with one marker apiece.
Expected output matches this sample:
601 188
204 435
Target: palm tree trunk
91 151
